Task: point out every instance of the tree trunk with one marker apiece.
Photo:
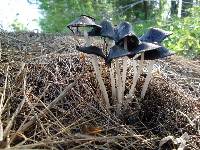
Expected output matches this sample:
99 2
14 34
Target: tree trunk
145 9
194 3
166 14
180 8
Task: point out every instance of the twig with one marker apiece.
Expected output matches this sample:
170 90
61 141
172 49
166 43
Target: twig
45 111
0 50
129 6
10 123
1 103
32 110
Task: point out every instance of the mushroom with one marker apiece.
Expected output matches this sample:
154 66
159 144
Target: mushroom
107 32
117 51
91 50
82 21
127 44
121 42
86 21
155 35
159 53
125 38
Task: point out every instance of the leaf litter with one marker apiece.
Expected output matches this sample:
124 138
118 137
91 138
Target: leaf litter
51 99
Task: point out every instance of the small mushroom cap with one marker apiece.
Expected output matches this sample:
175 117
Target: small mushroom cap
124 30
155 35
145 46
117 51
159 53
107 30
83 21
96 31
131 42
91 50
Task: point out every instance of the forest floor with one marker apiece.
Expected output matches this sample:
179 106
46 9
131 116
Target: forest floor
51 100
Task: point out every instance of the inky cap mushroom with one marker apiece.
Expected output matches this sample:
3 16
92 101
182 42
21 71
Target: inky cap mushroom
158 53
155 35
152 55
106 30
82 21
117 51
124 30
91 50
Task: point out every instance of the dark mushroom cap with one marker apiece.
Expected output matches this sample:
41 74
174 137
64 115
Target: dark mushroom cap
107 30
124 30
145 46
91 50
159 53
83 21
131 42
96 31
117 51
155 35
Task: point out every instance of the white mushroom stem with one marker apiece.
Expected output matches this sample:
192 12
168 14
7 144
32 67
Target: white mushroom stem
135 78
119 86
87 40
95 64
112 71
112 77
148 78
134 63
125 59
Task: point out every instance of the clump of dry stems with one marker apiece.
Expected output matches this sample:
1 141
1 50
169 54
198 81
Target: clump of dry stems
51 99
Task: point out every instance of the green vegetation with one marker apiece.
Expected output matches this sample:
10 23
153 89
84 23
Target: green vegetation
57 14
186 37
142 14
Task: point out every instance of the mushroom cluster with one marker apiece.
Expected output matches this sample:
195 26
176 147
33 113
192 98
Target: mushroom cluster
120 43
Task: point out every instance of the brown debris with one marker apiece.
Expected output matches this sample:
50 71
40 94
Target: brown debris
41 66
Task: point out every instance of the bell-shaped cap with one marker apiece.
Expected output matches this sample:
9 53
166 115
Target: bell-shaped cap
145 46
131 42
91 50
96 31
83 21
106 30
117 51
155 35
159 53
124 30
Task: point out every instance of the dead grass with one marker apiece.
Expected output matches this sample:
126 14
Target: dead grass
51 100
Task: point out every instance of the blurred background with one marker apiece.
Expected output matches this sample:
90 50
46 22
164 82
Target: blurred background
182 17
